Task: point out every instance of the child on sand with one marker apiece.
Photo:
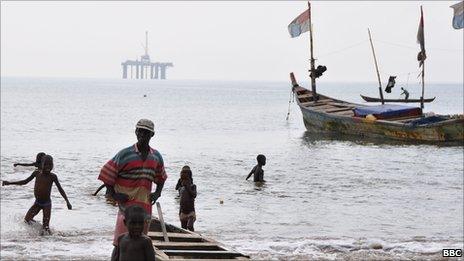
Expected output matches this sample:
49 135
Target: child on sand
134 245
188 193
36 164
257 171
44 180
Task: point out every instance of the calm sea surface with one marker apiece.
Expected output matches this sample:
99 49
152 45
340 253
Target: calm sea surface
324 198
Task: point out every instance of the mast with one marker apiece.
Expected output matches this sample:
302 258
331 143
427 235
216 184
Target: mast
423 60
376 67
146 42
312 75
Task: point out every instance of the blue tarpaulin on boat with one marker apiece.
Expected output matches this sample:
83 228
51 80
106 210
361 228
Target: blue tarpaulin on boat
429 120
387 111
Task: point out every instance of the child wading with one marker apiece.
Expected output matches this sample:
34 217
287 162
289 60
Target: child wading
188 193
134 245
37 163
44 180
257 171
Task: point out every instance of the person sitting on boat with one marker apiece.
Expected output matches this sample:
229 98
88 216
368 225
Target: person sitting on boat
37 163
188 193
257 171
405 92
134 245
179 182
44 180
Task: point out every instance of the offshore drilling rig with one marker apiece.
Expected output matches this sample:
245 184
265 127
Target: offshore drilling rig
144 68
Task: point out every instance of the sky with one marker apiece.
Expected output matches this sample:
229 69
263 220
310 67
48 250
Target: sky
249 41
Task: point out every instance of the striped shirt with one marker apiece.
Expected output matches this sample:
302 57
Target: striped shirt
129 174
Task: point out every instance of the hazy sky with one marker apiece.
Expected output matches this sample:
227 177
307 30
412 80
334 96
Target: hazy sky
228 40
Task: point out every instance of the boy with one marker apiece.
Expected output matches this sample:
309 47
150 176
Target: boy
257 171
188 193
37 163
44 180
134 245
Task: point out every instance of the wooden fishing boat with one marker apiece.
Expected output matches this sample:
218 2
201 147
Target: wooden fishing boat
323 114
372 99
329 115
183 244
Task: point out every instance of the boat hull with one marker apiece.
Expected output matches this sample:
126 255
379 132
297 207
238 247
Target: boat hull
321 117
325 123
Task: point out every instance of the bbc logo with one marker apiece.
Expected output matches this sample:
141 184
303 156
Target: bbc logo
452 252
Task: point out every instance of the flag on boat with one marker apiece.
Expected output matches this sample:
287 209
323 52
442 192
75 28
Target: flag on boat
458 18
420 40
299 25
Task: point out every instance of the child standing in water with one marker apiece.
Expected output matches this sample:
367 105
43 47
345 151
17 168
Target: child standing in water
134 245
257 171
37 163
188 193
44 180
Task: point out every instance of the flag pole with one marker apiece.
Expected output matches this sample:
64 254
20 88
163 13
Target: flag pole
312 74
423 62
376 67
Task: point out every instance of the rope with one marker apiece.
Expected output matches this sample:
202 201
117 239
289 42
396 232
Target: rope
343 49
415 47
292 98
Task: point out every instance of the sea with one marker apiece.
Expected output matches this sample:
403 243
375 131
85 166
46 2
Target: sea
324 198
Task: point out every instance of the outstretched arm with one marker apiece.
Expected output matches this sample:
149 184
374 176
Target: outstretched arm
24 164
63 194
98 190
21 182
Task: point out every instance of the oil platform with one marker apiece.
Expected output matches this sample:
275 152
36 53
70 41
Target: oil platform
144 68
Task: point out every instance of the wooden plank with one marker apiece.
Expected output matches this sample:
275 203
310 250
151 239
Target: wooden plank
343 113
172 235
342 105
202 253
187 245
339 109
163 226
309 95
322 107
161 255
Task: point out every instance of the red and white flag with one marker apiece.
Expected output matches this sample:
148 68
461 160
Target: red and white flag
299 25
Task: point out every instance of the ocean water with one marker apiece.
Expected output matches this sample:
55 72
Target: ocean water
323 199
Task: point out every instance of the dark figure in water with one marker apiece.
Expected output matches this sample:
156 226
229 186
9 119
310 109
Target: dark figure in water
188 193
44 180
134 245
37 163
257 171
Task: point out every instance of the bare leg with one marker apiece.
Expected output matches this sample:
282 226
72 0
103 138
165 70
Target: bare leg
183 223
190 222
46 217
31 213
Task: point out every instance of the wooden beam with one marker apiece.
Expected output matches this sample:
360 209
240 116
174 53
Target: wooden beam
187 245
202 253
178 235
339 109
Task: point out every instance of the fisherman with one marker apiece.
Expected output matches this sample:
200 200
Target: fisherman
130 174
405 92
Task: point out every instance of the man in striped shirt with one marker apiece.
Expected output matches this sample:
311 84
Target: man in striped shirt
129 176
